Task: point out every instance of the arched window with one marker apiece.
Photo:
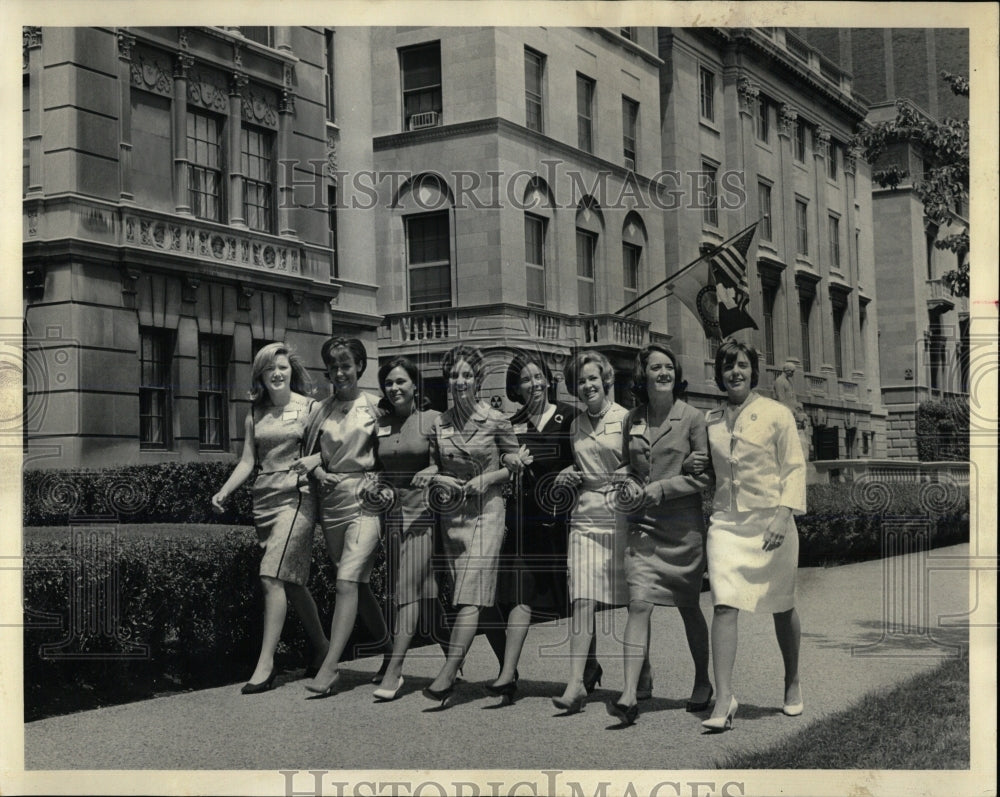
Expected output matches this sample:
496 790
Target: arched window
425 205
589 226
538 204
633 245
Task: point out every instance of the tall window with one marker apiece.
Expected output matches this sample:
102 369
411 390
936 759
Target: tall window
857 249
428 257
770 296
534 259
585 113
258 183
534 68
929 247
627 33
707 94
152 151
838 351
763 120
331 115
630 122
764 205
204 152
331 215
833 225
831 160
801 227
805 310
631 255
155 354
586 253
800 141
421 73
213 368
708 194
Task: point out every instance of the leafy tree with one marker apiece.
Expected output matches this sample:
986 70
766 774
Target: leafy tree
944 185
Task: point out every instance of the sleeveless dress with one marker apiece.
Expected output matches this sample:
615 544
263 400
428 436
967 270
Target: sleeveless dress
283 507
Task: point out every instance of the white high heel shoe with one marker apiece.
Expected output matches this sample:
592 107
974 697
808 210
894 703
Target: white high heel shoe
718 724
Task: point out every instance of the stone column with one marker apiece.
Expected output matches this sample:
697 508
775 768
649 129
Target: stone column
182 70
286 173
787 330
125 44
32 64
237 85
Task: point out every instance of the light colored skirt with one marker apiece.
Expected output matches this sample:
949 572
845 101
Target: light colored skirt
284 517
742 574
409 537
596 551
473 535
351 532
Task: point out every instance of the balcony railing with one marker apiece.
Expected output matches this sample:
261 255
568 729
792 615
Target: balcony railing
939 297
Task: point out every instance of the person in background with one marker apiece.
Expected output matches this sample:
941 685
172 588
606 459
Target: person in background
342 445
665 554
475 451
784 390
283 507
753 544
406 469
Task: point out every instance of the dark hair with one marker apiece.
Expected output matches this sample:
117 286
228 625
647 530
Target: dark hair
411 371
300 382
353 345
574 366
727 354
639 388
463 351
522 360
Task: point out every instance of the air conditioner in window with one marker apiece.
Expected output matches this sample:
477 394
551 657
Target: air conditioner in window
425 119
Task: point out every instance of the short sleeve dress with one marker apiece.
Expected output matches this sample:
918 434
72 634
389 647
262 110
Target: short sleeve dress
404 449
665 553
759 467
473 527
283 507
345 433
597 531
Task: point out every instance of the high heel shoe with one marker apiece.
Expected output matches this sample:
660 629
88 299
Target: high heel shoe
627 714
383 695
440 695
324 691
592 679
572 706
700 706
718 724
507 691
377 677
644 689
264 686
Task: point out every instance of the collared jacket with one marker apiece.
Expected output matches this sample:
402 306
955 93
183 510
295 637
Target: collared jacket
760 464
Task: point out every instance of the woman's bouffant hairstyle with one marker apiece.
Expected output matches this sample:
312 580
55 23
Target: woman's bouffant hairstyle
726 356
300 382
353 345
521 360
573 367
411 371
639 387
463 351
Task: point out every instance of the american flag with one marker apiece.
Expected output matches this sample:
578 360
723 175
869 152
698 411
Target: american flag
729 267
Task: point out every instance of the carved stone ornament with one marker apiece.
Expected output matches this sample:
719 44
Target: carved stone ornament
295 299
331 154
822 139
747 93
238 83
286 103
189 289
182 38
206 90
258 107
152 71
126 42
183 64
31 38
243 296
787 117
851 160
237 55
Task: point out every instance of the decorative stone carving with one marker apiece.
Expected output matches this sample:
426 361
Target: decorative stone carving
787 117
189 289
331 155
31 39
183 64
206 90
295 299
238 55
335 299
32 223
126 43
288 74
257 107
182 38
238 83
822 142
243 296
286 103
747 93
851 156
153 72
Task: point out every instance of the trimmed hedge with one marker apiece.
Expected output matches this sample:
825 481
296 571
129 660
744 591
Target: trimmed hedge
943 430
195 601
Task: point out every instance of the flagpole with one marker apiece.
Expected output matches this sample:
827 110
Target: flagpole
667 295
693 263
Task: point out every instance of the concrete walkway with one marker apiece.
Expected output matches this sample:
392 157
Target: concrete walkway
848 650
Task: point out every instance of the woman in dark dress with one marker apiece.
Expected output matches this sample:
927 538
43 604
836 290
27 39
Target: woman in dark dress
533 556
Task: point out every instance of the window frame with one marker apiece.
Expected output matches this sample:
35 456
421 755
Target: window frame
833 239
585 121
532 97
630 117
805 329
762 120
799 144
164 338
766 225
801 227
434 90
443 265
266 209
706 94
589 282
220 347
710 210
540 223
628 249
196 166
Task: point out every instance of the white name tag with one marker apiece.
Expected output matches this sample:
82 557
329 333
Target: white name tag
289 415
520 428
384 431
615 427
446 431
639 428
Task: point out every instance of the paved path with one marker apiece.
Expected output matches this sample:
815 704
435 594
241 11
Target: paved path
846 653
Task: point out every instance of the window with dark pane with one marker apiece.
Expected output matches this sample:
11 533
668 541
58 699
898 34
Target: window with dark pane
428 255
586 251
421 75
585 113
534 259
258 180
213 386
534 66
204 152
155 387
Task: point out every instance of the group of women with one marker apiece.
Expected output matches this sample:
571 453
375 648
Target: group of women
613 493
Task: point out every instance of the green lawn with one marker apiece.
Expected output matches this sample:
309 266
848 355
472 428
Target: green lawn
923 723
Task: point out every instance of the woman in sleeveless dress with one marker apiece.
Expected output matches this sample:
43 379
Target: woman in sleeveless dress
283 507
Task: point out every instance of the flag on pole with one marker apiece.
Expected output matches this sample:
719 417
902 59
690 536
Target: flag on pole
716 290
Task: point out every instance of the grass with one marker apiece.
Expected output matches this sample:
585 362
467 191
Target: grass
923 723
163 531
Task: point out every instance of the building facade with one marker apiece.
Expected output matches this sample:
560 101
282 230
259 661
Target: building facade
175 220
760 104
924 330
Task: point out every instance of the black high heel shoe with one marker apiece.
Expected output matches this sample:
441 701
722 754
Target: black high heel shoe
573 706
592 679
264 686
701 706
627 714
507 691
440 695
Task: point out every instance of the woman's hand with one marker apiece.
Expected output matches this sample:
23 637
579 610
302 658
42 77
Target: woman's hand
516 463
477 485
423 477
327 479
569 477
448 482
300 466
695 463
218 502
774 534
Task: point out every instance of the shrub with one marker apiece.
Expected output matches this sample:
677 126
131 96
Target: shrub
943 430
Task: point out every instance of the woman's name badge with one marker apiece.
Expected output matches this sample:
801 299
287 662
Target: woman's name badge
290 415
384 431
446 431
520 428
639 428
615 427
